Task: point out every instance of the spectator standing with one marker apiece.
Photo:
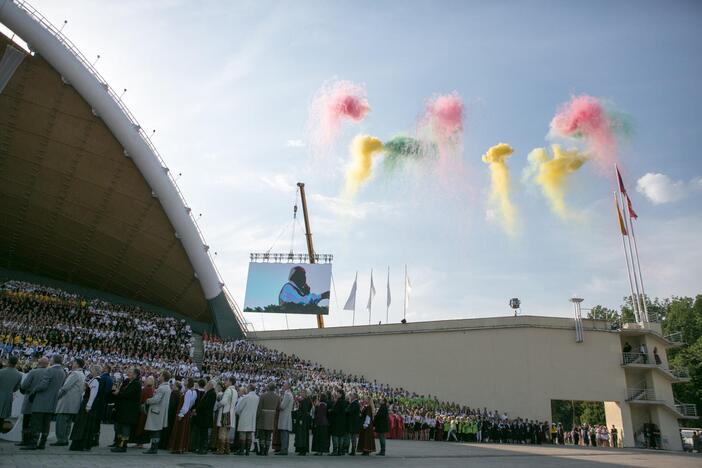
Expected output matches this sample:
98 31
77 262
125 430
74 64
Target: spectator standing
302 424
226 416
246 411
337 423
366 439
180 435
320 425
203 416
68 401
157 412
44 398
353 423
10 380
127 408
285 424
265 418
382 425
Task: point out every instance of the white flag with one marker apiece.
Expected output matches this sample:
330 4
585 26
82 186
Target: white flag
389 298
351 301
372 293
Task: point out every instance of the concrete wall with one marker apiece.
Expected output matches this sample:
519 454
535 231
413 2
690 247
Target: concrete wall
513 364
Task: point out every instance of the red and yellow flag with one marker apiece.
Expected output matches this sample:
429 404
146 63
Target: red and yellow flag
622 226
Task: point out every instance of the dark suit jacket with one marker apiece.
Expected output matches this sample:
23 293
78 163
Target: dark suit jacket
381 422
337 418
204 410
127 408
353 417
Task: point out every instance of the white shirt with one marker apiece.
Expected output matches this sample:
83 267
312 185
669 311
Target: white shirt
94 385
190 397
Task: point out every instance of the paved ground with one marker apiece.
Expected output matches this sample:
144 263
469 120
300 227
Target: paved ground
400 453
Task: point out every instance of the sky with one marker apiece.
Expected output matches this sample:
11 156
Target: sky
227 86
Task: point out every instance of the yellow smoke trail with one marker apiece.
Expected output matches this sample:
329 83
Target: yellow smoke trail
362 149
551 174
496 157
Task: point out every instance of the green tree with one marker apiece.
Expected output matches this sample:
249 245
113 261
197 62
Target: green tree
603 313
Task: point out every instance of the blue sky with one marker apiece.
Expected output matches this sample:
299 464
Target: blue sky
227 85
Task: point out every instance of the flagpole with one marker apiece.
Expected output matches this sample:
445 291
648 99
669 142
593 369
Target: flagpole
638 264
627 222
370 299
387 302
628 267
404 307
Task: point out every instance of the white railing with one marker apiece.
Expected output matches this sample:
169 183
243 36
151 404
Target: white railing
680 373
674 337
686 409
635 358
640 394
54 31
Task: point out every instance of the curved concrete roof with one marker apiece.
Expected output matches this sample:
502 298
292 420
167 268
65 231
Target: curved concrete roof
84 197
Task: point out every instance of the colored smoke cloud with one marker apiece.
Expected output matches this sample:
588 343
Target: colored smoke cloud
363 148
597 123
332 105
402 149
496 158
552 173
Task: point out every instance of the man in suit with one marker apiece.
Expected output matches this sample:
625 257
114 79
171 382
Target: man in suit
157 408
204 417
10 380
246 411
353 423
285 419
265 418
68 401
337 422
127 408
44 398
29 383
381 423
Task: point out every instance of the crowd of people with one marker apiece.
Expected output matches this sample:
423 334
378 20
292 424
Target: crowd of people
120 364
40 319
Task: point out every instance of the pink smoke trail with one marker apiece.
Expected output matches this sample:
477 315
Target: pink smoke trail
442 124
589 119
332 104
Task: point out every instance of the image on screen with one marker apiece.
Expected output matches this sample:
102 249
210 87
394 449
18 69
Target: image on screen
288 288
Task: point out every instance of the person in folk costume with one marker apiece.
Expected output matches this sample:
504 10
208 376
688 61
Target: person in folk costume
203 416
157 412
139 436
174 402
320 426
246 411
366 438
381 423
265 418
127 408
89 414
303 423
180 434
226 415
216 414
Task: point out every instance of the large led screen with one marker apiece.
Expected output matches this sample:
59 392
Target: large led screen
288 288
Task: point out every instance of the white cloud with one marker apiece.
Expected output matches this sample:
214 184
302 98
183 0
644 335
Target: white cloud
279 182
295 144
659 188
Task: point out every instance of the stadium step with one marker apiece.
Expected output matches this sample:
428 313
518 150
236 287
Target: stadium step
199 349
